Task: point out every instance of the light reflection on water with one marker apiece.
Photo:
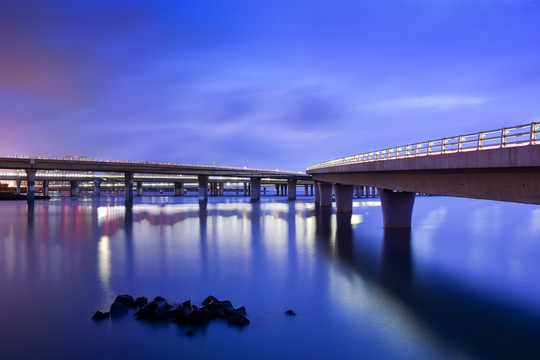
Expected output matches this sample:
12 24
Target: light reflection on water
461 284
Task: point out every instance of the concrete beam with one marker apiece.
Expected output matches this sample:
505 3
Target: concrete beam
397 208
203 188
344 198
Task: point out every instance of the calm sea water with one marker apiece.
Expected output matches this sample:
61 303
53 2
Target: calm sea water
462 284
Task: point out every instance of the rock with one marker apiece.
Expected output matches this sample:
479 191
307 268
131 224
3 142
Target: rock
199 317
238 320
241 310
126 300
163 312
118 309
186 304
100 315
210 301
226 304
159 299
190 333
141 301
290 312
148 311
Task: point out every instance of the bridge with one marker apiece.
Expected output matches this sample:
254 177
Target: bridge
209 178
502 164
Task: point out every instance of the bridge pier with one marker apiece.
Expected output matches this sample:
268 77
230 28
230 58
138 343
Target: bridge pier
45 186
325 194
277 189
291 186
255 189
203 188
317 199
19 182
306 190
178 189
344 198
97 187
30 185
128 187
139 188
245 189
397 208
74 188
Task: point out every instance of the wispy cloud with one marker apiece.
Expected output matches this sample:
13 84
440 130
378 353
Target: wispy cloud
433 101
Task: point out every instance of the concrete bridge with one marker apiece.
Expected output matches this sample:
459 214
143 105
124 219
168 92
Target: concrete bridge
502 164
210 179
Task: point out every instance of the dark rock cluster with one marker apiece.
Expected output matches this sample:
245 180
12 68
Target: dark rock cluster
185 314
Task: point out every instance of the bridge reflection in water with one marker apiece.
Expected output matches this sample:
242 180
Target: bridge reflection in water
288 247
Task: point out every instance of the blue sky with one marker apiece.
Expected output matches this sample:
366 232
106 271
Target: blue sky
276 84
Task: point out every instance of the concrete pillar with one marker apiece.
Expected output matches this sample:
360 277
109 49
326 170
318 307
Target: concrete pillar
344 198
264 190
221 189
45 185
245 189
375 192
97 187
19 182
249 189
203 188
255 189
317 193
311 189
291 185
286 189
306 190
30 185
277 189
139 188
325 194
397 208
178 189
128 187
74 188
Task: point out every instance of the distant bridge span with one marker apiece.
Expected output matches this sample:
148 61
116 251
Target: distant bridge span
31 165
501 164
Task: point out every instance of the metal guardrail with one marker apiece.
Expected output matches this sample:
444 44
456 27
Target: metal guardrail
520 135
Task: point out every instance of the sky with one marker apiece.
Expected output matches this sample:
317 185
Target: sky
269 84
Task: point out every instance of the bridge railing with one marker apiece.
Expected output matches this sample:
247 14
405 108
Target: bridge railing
493 139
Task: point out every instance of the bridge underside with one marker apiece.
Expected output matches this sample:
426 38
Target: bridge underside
516 184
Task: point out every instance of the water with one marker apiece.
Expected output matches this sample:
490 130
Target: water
463 284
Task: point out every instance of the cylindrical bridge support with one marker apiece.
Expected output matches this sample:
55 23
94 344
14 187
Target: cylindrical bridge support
19 182
139 188
325 194
74 188
203 188
178 189
344 198
128 187
45 187
30 185
291 185
397 208
317 193
255 189
97 187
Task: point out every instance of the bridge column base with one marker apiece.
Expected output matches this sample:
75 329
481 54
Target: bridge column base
255 187
128 187
397 208
178 189
30 184
325 194
203 188
291 185
74 188
344 198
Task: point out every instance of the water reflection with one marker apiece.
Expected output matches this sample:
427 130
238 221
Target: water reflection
461 317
